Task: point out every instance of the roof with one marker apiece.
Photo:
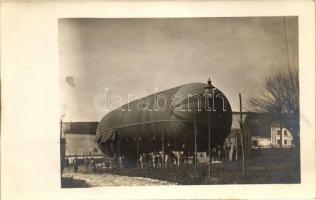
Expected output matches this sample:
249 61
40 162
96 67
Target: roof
259 124
88 128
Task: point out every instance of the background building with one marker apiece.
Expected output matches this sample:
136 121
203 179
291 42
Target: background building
277 141
260 131
265 131
260 142
80 138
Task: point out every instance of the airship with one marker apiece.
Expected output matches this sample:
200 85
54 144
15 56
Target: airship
194 116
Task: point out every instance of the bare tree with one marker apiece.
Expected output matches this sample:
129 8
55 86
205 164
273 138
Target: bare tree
279 95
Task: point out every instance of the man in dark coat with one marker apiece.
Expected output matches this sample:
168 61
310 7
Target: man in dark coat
75 165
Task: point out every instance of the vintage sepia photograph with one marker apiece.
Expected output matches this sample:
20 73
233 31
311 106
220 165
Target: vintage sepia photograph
179 101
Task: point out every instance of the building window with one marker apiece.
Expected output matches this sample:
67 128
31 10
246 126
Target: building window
285 132
201 155
279 132
285 141
255 143
279 141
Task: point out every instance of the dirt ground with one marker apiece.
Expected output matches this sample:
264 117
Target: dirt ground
265 166
105 179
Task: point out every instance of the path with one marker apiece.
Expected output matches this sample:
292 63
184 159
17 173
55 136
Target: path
100 180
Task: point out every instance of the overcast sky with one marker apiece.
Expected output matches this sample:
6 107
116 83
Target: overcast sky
139 55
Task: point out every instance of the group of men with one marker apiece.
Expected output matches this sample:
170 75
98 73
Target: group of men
158 159
110 163
90 164
177 158
217 153
231 153
155 159
74 162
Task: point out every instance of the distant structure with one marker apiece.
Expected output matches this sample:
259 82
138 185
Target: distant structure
260 142
261 131
287 137
80 138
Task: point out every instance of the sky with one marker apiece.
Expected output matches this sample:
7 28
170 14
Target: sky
141 56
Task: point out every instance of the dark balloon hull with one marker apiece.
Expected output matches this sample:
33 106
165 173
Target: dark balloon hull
186 115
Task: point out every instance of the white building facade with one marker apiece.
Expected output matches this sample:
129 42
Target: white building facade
281 138
260 142
81 145
80 138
